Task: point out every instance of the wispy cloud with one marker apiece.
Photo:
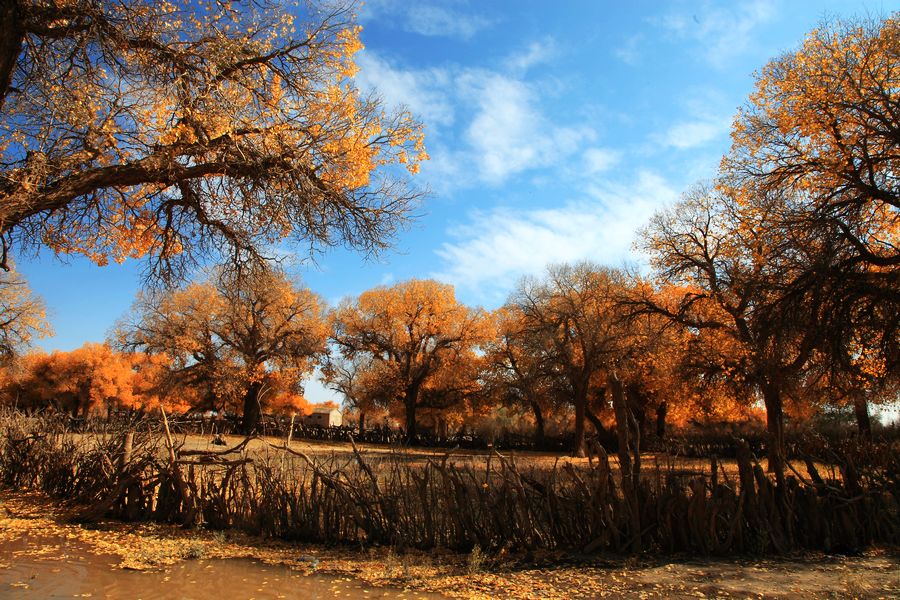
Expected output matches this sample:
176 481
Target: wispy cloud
599 160
722 32
439 20
705 119
692 134
427 18
629 51
494 249
508 133
537 52
495 123
424 92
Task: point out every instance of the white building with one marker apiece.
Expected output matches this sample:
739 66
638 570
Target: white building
324 417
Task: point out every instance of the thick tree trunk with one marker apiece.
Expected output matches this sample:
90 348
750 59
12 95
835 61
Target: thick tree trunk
538 424
85 404
863 422
600 403
12 34
775 426
410 403
596 422
661 411
623 428
362 422
630 470
637 404
580 401
252 409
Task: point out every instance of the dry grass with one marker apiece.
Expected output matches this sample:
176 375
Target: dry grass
342 452
460 499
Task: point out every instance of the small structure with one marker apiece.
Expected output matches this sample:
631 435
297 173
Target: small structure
324 417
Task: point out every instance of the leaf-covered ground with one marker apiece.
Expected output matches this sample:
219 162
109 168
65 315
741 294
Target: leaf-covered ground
875 574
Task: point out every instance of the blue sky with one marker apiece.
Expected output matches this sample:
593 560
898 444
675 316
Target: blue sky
555 130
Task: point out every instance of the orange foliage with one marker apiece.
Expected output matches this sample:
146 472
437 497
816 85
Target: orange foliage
23 316
90 379
415 341
821 126
288 403
234 343
239 126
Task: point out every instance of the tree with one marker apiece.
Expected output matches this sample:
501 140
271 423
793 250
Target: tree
735 267
676 368
572 314
857 382
254 331
822 125
516 369
153 385
820 132
22 316
650 361
180 324
362 381
173 130
418 338
90 379
289 402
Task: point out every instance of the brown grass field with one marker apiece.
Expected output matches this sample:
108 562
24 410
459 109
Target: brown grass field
337 453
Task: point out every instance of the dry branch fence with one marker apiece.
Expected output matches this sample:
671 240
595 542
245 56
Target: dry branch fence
436 502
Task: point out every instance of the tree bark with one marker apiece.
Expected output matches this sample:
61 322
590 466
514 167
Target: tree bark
596 422
630 473
538 424
863 422
412 396
12 34
620 405
661 411
637 403
252 409
775 426
580 401
362 422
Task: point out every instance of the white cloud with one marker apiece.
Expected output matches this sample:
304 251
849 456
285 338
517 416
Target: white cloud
705 118
422 92
537 52
722 32
441 21
629 52
491 123
691 134
496 248
429 19
508 134
598 160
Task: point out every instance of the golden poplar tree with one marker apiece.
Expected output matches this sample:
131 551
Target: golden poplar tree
242 339
419 340
176 129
